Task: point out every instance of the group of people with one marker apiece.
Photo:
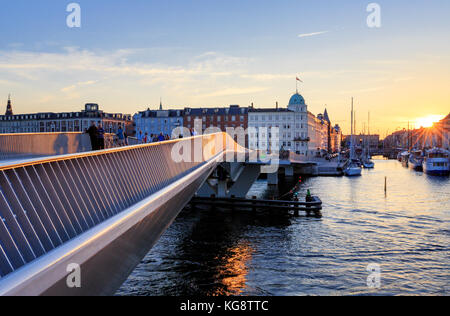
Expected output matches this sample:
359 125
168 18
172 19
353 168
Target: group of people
145 138
97 135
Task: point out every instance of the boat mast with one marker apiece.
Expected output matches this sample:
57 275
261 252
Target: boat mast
352 145
368 137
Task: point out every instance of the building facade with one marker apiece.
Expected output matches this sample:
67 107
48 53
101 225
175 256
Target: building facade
300 131
436 136
222 118
155 122
366 142
63 122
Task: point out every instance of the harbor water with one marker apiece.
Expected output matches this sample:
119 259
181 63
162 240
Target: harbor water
405 232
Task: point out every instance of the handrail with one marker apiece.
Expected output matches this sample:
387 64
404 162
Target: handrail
47 202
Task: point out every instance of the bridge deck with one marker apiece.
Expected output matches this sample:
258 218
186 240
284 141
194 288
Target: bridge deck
46 203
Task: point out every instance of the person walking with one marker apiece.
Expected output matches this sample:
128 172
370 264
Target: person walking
100 137
92 131
121 135
140 137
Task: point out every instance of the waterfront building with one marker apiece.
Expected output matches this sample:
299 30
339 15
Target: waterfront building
436 136
300 131
443 132
232 117
158 121
336 139
49 122
370 142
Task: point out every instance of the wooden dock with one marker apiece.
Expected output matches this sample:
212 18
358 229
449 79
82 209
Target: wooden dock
312 208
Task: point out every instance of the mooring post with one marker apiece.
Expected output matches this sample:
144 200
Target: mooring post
385 185
296 212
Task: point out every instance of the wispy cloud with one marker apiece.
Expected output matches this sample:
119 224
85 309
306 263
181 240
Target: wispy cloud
312 34
234 91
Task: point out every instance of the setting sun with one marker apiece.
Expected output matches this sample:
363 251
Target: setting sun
428 121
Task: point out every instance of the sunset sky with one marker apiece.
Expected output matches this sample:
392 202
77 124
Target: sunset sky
128 54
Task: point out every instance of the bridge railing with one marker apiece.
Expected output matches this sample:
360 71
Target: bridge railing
32 145
47 202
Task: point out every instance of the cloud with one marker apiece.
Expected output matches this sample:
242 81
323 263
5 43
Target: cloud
234 91
312 34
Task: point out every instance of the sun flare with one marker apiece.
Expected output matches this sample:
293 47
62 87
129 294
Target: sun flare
428 121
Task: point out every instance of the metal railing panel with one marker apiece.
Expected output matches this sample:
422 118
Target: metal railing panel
15 238
28 205
80 192
51 182
105 184
73 195
59 198
97 185
5 265
21 216
112 182
60 221
119 183
42 212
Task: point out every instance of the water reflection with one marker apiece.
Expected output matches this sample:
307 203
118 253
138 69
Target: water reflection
223 253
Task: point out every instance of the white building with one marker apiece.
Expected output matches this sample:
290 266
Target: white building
299 130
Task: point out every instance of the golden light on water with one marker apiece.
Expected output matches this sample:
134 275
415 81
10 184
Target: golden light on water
234 269
428 121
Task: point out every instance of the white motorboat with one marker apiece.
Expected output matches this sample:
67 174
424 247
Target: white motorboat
436 162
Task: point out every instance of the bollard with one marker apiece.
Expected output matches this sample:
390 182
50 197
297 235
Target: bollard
296 212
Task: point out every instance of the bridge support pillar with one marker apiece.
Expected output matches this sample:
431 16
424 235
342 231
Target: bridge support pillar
238 182
245 181
289 171
272 178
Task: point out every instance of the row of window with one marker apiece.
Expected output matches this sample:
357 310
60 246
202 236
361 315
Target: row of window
216 118
285 126
264 118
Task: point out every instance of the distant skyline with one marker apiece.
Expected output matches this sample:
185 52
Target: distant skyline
129 54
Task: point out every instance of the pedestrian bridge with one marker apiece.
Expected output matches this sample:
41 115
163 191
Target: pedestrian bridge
100 211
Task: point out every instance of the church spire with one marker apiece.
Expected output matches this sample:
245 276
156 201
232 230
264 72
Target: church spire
325 116
160 104
9 110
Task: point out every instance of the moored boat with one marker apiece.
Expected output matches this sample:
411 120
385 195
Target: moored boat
404 158
353 168
415 161
436 162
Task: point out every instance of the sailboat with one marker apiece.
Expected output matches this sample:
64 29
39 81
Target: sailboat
368 163
353 168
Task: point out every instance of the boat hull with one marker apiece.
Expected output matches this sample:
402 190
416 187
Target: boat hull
438 167
353 172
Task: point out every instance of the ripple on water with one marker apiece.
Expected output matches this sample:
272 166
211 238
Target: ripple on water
405 232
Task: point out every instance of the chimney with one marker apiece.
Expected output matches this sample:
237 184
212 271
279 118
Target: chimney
277 105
